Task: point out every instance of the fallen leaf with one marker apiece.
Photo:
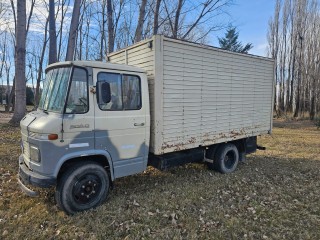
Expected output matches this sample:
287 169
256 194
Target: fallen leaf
5 232
135 203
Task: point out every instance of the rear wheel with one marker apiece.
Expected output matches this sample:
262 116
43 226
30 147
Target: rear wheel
226 158
82 187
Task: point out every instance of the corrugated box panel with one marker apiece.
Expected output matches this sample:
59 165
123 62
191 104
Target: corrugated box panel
212 96
201 95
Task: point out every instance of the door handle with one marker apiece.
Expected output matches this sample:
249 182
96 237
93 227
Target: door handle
138 124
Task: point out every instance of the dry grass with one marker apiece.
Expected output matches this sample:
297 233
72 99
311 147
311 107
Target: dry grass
275 194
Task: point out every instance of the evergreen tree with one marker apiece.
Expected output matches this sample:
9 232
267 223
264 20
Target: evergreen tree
29 96
230 42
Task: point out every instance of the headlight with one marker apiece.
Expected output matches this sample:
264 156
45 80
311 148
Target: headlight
34 154
39 136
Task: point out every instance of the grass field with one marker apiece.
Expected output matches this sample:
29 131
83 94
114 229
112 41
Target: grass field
275 194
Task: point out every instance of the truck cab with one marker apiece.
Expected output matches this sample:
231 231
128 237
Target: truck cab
91 127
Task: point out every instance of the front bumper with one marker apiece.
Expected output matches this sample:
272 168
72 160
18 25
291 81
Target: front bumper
26 176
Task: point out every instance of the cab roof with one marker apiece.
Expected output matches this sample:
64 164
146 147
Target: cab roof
97 64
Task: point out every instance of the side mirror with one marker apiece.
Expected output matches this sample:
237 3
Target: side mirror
105 92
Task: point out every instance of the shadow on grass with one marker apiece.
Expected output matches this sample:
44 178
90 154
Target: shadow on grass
257 169
265 195
275 197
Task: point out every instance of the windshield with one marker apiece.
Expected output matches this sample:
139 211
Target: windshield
55 89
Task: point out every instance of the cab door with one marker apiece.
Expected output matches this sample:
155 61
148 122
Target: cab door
78 124
120 123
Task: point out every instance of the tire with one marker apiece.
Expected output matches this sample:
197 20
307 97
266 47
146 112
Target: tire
83 186
226 158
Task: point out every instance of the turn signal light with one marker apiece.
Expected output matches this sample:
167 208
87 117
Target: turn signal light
53 136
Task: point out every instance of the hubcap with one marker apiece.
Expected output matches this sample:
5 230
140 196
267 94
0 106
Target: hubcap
86 189
229 159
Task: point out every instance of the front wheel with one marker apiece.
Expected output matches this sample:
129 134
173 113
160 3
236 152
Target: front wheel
83 186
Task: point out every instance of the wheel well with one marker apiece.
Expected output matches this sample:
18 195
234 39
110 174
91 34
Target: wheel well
240 144
212 150
99 159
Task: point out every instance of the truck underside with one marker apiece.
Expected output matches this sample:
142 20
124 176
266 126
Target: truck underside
201 154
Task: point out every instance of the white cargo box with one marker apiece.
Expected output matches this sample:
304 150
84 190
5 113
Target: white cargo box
201 95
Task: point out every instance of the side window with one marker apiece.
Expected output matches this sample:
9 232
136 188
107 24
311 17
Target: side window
78 94
114 81
131 92
125 92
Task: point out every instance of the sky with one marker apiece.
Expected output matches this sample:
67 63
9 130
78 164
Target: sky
251 18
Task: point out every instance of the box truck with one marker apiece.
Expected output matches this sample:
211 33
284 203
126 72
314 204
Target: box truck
161 102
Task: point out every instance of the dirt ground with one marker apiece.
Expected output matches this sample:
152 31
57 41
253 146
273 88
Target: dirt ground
5 117
275 194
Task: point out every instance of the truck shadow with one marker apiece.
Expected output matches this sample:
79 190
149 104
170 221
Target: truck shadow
295 178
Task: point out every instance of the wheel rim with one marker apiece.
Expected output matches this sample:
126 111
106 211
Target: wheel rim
87 189
230 159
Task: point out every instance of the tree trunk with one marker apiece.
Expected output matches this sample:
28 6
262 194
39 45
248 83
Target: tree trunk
313 100
298 97
14 14
20 62
102 40
62 20
4 51
176 19
73 31
52 34
156 17
292 78
12 95
30 16
142 14
7 107
110 27
288 82
37 92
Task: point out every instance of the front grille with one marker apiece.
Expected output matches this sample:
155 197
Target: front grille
26 149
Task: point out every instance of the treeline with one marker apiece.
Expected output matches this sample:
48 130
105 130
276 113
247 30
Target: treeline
294 43
43 32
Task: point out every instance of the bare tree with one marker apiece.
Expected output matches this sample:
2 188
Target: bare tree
110 27
200 25
20 60
40 68
30 16
61 11
73 30
98 27
14 14
118 15
176 18
156 17
142 14
103 27
8 102
294 41
52 33
3 65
